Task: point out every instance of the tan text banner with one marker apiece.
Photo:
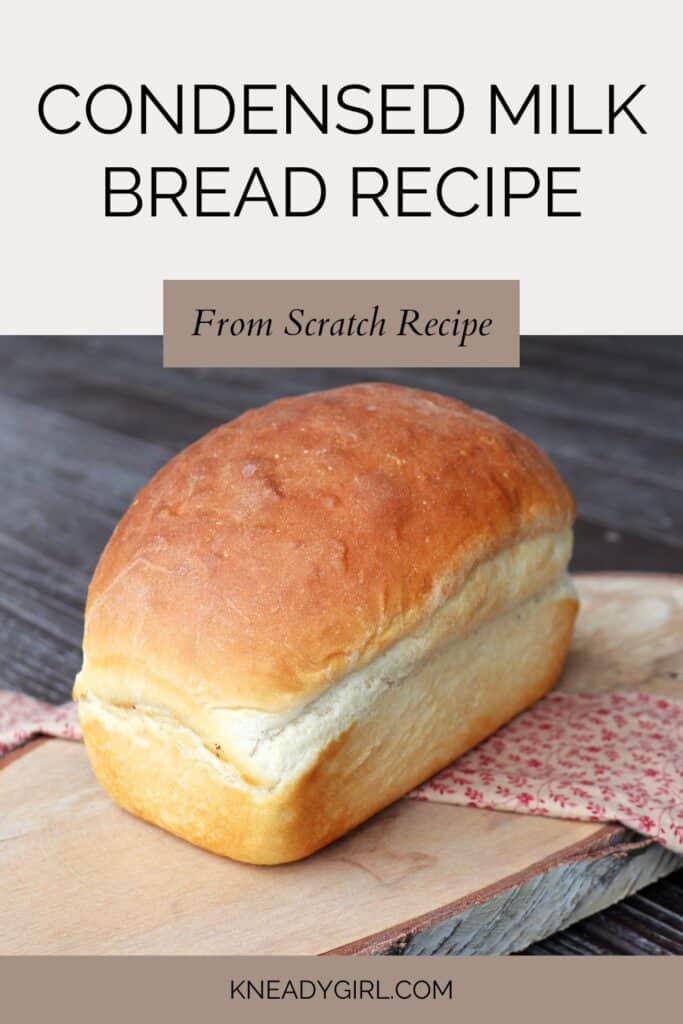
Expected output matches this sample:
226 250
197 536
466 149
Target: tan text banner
531 990
341 323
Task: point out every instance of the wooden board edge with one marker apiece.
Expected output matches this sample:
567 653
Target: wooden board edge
23 750
508 922
611 840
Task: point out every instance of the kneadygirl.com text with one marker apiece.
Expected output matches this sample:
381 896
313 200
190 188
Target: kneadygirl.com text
339 988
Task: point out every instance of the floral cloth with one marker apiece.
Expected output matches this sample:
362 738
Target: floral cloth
23 717
591 756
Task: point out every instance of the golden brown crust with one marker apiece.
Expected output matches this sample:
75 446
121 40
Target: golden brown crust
167 777
302 539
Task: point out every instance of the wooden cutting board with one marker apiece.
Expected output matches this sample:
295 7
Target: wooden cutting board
78 875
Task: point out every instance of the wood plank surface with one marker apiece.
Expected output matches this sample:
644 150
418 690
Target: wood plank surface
84 421
81 876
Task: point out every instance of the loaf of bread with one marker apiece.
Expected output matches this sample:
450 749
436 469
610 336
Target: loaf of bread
314 608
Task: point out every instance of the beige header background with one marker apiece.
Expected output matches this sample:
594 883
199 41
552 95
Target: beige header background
486 311
616 269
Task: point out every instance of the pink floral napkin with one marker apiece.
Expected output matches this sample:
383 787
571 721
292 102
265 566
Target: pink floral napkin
591 756
595 757
22 718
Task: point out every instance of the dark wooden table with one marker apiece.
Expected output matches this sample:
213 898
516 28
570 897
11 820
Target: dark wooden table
84 421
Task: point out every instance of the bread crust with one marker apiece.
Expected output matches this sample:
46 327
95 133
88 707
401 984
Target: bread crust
303 539
164 773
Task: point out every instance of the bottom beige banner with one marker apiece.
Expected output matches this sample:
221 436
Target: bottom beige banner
300 989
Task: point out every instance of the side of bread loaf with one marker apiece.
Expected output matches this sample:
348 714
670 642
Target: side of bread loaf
160 770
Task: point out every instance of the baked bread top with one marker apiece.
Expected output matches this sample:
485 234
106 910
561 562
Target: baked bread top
299 541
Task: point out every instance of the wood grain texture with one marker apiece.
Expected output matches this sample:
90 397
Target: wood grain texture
81 876
512 919
648 923
85 421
